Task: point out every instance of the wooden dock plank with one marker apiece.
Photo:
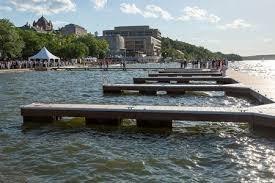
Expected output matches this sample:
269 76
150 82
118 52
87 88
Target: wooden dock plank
224 80
181 70
185 74
236 90
217 114
170 87
101 69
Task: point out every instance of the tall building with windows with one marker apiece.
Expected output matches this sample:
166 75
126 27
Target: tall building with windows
138 40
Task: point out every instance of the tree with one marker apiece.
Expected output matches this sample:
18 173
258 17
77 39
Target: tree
170 48
11 44
91 42
103 48
33 43
74 50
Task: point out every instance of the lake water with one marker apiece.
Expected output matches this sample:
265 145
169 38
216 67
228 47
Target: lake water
192 152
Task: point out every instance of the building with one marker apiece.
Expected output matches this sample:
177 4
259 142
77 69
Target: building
72 29
42 25
116 45
138 40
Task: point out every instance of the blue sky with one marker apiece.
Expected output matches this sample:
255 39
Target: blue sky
245 27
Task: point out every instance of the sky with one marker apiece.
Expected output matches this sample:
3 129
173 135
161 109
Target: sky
244 27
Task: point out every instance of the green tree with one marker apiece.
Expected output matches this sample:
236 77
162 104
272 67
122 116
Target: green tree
91 42
11 44
103 48
74 50
33 43
171 47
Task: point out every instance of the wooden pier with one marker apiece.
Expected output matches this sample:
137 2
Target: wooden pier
190 74
104 69
218 80
181 70
235 84
179 88
236 90
147 116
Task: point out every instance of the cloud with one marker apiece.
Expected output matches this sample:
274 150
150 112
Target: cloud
150 11
130 9
201 41
196 13
99 4
154 11
268 40
5 8
236 24
43 6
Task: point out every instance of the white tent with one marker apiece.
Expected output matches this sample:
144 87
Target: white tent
43 55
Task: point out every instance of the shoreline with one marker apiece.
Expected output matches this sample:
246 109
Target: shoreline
15 70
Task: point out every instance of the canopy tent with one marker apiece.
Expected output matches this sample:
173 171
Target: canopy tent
43 55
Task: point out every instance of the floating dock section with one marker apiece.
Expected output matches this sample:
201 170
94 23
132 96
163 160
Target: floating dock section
218 80
179 70
235 84
147 116
111 68
236 90
190 74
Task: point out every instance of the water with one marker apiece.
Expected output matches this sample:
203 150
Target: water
264 69
192 152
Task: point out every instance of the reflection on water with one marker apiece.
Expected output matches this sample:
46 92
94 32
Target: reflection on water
70 151
264 69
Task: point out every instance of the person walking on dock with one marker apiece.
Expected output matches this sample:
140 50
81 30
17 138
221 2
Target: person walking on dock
185 64
107 64
124 65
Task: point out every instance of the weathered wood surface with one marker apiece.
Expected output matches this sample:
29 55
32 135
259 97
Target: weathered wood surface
224 80
185 74
174 87
236 90
101 69
180 70
218 114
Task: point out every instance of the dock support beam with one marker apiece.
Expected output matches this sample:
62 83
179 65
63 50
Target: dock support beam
183 82
175 92
38 119
105 122
146 92
154 123
258 126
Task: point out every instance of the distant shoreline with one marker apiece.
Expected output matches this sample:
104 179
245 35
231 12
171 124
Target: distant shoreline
14 70
259 57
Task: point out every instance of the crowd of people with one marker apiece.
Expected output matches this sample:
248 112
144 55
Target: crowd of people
104 64
16 64
220 65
